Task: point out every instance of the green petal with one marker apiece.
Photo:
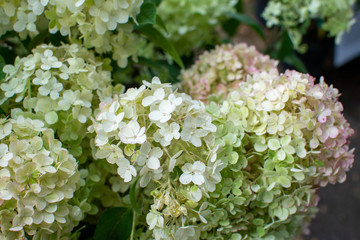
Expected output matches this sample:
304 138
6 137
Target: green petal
273 144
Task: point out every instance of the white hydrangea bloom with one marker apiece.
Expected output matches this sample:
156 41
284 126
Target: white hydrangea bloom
145 143
60 85
5 155
149 156
192 132
154 219
193 173
132 133
125 170
38 179
100 24
167 133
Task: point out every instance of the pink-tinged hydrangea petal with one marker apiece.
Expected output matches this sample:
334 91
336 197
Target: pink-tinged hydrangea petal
333 132
223 68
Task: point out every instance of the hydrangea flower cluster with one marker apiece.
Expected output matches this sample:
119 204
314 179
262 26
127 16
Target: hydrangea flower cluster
295 16
190 24
38 179
223 68
61 86
165 139
282 137
102 24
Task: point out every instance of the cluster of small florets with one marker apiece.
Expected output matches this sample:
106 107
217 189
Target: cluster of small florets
165 139
102 24
37 181
295 16
190 24
60 85
310 114
222 69
282 136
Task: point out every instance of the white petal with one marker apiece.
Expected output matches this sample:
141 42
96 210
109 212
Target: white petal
153 163
155 115
147 101
199 166
166 107
196 141
165 118
198 179
159 94
185 178
151 220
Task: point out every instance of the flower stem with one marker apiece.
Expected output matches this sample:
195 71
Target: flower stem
133 225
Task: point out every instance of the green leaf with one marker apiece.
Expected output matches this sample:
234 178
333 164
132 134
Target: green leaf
133 201
156 2
165 71
243 18
114 223
156 37
239 6
161 23
286 47
296 62
230 26
2 64
147 14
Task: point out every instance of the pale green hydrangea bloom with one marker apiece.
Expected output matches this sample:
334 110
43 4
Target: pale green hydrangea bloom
190 24
102 24
219 70
38 179
282 136
295 16
60 85
165 139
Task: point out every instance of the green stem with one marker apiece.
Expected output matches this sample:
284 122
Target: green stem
133 225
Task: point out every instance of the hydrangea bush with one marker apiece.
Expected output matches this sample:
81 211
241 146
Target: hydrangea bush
221 69
60 85
101 24
337 16
239 155
38 178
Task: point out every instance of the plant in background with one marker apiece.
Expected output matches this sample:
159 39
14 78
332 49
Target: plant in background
38 179
336 17
190 24
60 85
101 24
219 70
